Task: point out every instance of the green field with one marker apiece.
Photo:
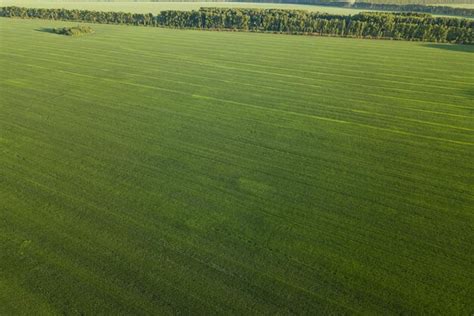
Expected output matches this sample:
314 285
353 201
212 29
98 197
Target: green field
156 7
155 171
458 5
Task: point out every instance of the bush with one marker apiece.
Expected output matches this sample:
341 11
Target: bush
73 31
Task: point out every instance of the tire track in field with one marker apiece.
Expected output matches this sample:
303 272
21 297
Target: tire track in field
300 263
310 85
103 210
308 94
324 62
370 87
245 267
157 99
320 73
98 127
340 121
355 43
215 44
396 131
229 139
181 114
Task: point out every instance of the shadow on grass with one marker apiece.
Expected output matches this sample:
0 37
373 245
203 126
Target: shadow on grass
470 93
453 47
46 30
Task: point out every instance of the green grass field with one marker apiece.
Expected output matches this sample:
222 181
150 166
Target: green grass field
458 5
154 171
156 7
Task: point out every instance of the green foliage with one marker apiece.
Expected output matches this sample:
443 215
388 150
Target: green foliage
406 26
73 31
151 171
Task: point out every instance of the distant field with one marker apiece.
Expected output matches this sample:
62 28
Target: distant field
155 171
155 7
457 5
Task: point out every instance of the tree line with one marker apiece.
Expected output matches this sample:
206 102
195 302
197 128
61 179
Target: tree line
377 25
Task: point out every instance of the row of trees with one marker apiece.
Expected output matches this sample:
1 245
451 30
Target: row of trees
406 26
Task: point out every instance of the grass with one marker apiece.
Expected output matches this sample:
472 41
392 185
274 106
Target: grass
457 5
156 7
144 6
152 171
